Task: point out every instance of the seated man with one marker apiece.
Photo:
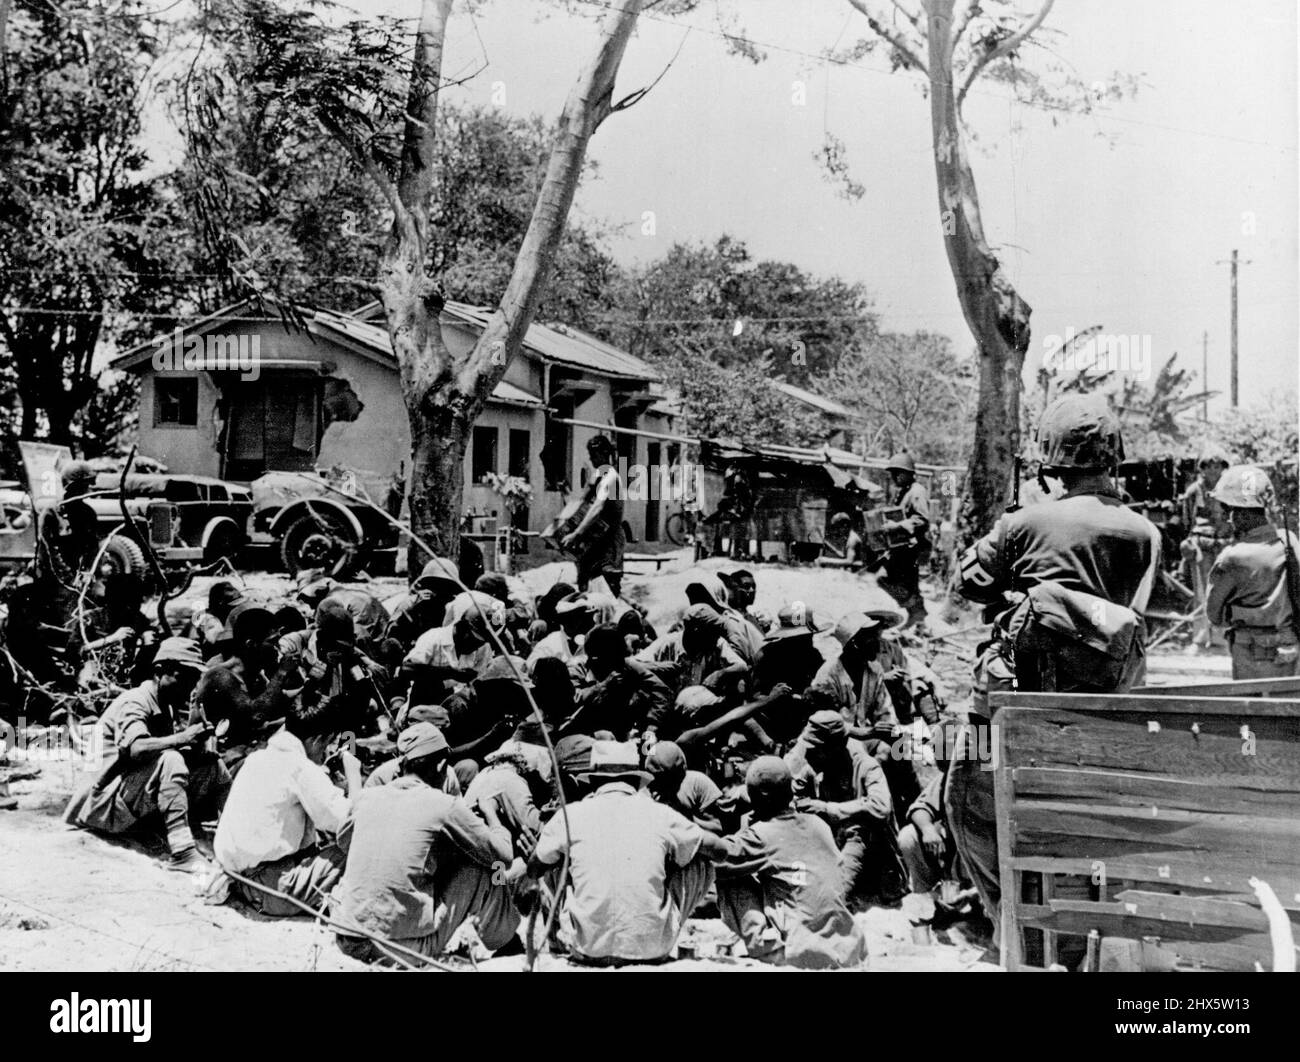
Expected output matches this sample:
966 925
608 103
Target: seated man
692 794
152 766
279 803
510 779
413 731
929 853
836 779
637 868
625 693
425 604
700 652
420 862
445 658
780 888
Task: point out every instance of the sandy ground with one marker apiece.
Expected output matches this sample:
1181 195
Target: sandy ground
73 901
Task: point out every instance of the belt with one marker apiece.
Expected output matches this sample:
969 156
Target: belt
1264 635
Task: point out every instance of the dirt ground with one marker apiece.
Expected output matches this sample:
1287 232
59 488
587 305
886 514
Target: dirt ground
70 900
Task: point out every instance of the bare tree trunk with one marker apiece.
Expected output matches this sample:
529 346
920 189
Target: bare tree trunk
996 314
443 400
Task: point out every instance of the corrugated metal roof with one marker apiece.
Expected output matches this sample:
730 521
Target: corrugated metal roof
562 343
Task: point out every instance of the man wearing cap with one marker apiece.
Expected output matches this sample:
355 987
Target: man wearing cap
692 794
836 779
625 695
902 563
208 625
420 862
854 682
780 887
333 668
246 682
743 636
637 868
1071 580
280 804
1251 591
599 538
154 765
425 604
414 731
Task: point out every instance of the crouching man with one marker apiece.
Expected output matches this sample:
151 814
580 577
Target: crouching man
637 868
780 888
155 765
420 862
279 803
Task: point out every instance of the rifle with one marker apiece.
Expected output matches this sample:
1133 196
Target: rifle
1291 575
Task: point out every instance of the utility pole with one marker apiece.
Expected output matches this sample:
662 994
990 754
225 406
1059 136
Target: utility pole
1232 386
1205 375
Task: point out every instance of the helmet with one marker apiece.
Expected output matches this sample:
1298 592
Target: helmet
1080 431
437 570
76 472
901 462
1243 487
1213 454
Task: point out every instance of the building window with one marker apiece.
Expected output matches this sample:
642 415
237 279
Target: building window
176 400
484 459
521 454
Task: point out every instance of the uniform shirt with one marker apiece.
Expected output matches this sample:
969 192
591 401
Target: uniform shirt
1092 543
622 844
864 705
1247 585
500 781
915 504
692 671
1199 506
391 770
795 861
630 698
278 801
695 799
399 838
854 781
557 644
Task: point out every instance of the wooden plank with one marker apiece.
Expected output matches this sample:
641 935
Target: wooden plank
1111 703
1193 874
1046 738
1196 910
1011 944
1077 918
1268 687
1134 790
1214 838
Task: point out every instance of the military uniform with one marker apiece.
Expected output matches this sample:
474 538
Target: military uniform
902 564
1248 591
1080 571
1208 531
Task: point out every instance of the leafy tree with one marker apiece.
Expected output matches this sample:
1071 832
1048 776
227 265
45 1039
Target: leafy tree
86 236
949 46
339 85
914 392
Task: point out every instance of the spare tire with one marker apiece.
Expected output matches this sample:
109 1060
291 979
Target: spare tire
319 540
122 555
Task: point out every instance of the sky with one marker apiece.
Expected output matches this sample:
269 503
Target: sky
1120 220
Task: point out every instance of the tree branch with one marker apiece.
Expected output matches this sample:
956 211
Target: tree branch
589 103
969 11
1002 50
905 52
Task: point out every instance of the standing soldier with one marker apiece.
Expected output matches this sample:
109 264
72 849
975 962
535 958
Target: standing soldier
69 540
902 576
1208 531
598 539
1075 576
1252 581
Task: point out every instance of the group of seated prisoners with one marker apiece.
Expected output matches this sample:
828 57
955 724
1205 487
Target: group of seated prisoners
723 768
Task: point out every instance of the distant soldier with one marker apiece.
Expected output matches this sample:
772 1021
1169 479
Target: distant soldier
1075 575
902 564
1248 584
598 539
69 539
1208 531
